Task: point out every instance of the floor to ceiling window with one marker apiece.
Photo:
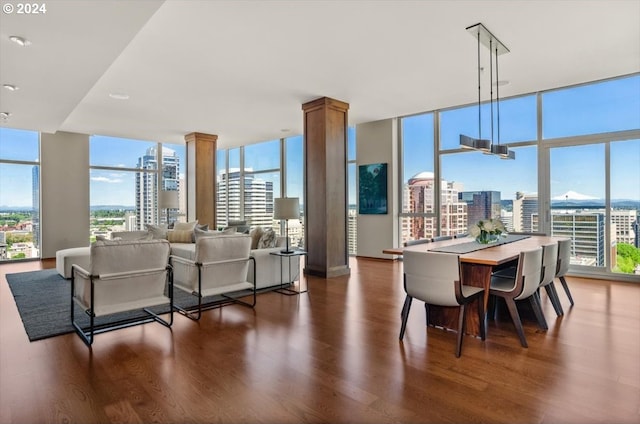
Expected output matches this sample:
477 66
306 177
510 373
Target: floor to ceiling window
19 194
591 132
294 184
578 148
352 211
126 183
418 218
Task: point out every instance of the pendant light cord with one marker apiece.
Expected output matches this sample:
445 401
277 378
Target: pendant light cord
479 97
498 94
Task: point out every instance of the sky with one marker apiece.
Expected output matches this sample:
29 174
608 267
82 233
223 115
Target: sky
596 108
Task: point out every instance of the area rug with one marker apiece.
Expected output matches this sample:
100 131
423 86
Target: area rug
43 299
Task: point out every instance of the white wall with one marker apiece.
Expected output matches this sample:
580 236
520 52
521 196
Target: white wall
64 191
377 143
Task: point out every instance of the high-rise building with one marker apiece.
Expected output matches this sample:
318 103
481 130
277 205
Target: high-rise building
257 202
352 230
586 229
525 206
418 196
147 211
624 220
481 205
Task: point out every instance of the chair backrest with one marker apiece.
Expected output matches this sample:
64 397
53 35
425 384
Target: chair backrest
441 238
416 241
564 257
108 257
223 247
233 248
461 235
432 277
549 263
529 272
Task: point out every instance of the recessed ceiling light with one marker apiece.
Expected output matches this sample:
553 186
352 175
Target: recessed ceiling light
11 87
501 83
5 115
21 41
119 96
285 130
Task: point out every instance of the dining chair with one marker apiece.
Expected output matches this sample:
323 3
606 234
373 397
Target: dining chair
416 241
564 260
523 286
441 238
461 235
435 279
549 267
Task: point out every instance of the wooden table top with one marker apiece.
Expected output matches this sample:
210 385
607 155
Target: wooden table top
494 255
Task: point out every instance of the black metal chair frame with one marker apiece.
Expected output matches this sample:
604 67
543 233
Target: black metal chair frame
87 334
227 299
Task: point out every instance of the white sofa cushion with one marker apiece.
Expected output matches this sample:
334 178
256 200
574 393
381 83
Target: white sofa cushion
184 250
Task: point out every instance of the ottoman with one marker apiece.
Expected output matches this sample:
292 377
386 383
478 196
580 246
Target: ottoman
67 257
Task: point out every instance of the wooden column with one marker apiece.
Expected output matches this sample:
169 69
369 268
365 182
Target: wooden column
201 178
325 135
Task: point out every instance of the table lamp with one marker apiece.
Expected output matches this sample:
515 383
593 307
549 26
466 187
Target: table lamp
168 200
286 208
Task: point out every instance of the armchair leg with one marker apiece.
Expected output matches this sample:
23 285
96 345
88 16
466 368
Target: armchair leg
405 315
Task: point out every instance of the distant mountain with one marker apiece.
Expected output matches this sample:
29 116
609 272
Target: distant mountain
594 204
572 195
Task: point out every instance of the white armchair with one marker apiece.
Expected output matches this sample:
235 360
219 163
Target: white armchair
219 268
122 276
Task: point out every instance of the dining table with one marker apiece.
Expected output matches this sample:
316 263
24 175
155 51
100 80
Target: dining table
477 263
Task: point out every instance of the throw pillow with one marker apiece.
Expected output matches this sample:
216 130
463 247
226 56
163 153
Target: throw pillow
268 239
179 236
203 227
255 234
101 238
157 231
185 226
205 233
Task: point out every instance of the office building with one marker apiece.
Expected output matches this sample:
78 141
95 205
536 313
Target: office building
481 205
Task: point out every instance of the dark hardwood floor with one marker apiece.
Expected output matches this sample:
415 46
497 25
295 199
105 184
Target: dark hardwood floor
332 355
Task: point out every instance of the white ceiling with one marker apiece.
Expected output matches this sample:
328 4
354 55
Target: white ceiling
242 69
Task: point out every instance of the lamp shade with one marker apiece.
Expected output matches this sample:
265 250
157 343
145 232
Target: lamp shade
286 208
169 199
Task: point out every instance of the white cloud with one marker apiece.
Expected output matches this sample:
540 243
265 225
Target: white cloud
107 180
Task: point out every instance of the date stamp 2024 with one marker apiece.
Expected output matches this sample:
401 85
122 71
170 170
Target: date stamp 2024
24 8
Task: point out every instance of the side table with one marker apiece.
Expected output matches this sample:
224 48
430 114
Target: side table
284 256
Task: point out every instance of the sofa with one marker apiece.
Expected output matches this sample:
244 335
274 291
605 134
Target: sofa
267 266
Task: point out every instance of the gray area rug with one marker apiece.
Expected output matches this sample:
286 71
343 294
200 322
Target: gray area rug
43 299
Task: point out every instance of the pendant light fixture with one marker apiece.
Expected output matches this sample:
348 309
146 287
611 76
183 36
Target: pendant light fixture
487 39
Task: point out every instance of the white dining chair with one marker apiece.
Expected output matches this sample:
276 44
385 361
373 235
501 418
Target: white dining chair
435 279
523 286
549 266
564 260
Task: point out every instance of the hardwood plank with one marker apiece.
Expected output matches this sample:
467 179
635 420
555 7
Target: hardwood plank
332 355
